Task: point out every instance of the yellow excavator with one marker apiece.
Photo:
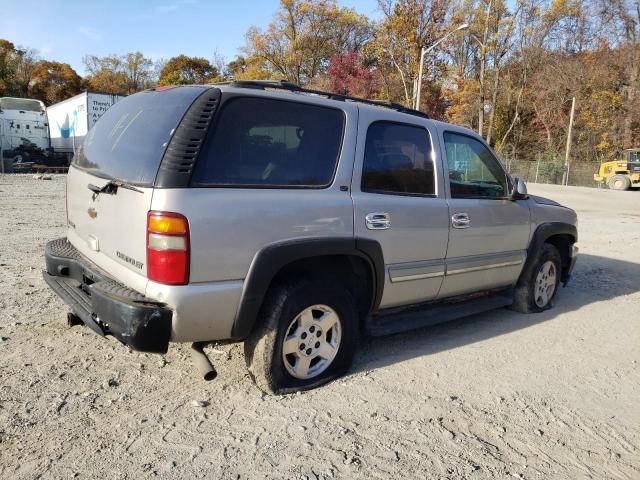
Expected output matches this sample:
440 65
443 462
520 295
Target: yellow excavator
621 174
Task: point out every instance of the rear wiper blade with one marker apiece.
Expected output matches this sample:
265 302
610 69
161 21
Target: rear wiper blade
111 187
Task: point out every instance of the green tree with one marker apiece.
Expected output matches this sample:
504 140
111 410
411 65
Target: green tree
184 70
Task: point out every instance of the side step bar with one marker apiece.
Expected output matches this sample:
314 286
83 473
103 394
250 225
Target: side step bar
396 321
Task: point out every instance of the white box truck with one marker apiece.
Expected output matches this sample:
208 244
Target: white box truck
71 119
24 137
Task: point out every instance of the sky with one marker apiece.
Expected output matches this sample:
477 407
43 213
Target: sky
66 30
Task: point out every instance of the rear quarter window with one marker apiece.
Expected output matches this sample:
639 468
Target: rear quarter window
129 140
261 142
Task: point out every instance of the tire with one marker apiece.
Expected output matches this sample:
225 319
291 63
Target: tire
529 296
286 314
619 182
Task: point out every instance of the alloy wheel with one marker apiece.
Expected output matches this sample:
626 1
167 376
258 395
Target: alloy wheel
545 283
311 342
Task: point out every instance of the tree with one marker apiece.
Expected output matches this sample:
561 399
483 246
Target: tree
349 75
406 27
53 82
184 70
247 69
619 20
7 68
16 65
119 74
302 37
138 71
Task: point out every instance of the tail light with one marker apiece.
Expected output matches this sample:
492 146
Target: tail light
167 248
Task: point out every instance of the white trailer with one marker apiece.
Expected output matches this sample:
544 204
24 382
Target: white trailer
71 119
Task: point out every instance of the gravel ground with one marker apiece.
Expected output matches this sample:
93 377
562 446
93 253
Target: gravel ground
552 395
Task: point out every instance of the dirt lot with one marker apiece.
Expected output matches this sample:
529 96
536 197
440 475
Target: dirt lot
553 395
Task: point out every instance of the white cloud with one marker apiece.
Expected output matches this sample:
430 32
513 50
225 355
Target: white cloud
162 9
45 49
169 7
89 32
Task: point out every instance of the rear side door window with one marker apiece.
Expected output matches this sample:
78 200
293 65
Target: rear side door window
473 170
261 142
397 160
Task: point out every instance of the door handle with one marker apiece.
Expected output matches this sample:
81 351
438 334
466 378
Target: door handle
460 220
378 221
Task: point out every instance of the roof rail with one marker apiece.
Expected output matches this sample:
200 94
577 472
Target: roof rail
291 87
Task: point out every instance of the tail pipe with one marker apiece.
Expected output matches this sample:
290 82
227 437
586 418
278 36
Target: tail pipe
202 362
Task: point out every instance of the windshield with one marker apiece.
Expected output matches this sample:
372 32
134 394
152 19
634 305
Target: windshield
129 140
24 104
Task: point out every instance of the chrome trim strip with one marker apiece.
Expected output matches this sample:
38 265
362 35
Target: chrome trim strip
441 268
484 267
476 263
416 270
419 276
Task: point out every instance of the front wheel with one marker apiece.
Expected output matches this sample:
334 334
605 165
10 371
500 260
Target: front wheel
539 284
619 182
306 336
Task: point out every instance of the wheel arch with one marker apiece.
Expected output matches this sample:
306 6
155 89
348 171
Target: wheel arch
358 264
559 234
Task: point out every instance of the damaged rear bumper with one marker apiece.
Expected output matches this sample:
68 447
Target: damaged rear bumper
104 305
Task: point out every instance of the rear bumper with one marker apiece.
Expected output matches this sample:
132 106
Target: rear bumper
104 305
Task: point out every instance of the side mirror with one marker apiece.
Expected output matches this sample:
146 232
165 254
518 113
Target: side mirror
519 190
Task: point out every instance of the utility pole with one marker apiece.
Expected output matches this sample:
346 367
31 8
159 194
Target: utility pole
423 52
416 104
568 148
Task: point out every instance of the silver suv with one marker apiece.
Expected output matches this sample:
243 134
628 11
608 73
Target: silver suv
294 221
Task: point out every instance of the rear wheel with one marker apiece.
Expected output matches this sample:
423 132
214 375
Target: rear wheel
539 282
305 336
619 182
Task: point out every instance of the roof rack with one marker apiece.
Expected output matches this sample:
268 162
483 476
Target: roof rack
291 87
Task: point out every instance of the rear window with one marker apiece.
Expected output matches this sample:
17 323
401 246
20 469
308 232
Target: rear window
261 142
130 138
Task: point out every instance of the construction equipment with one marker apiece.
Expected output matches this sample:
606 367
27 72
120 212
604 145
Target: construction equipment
621 174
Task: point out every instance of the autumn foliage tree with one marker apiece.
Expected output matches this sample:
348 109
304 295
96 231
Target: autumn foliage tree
349 75
302 37
53 82
119 74
406 27
16 66
184 70
23 74
7 67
